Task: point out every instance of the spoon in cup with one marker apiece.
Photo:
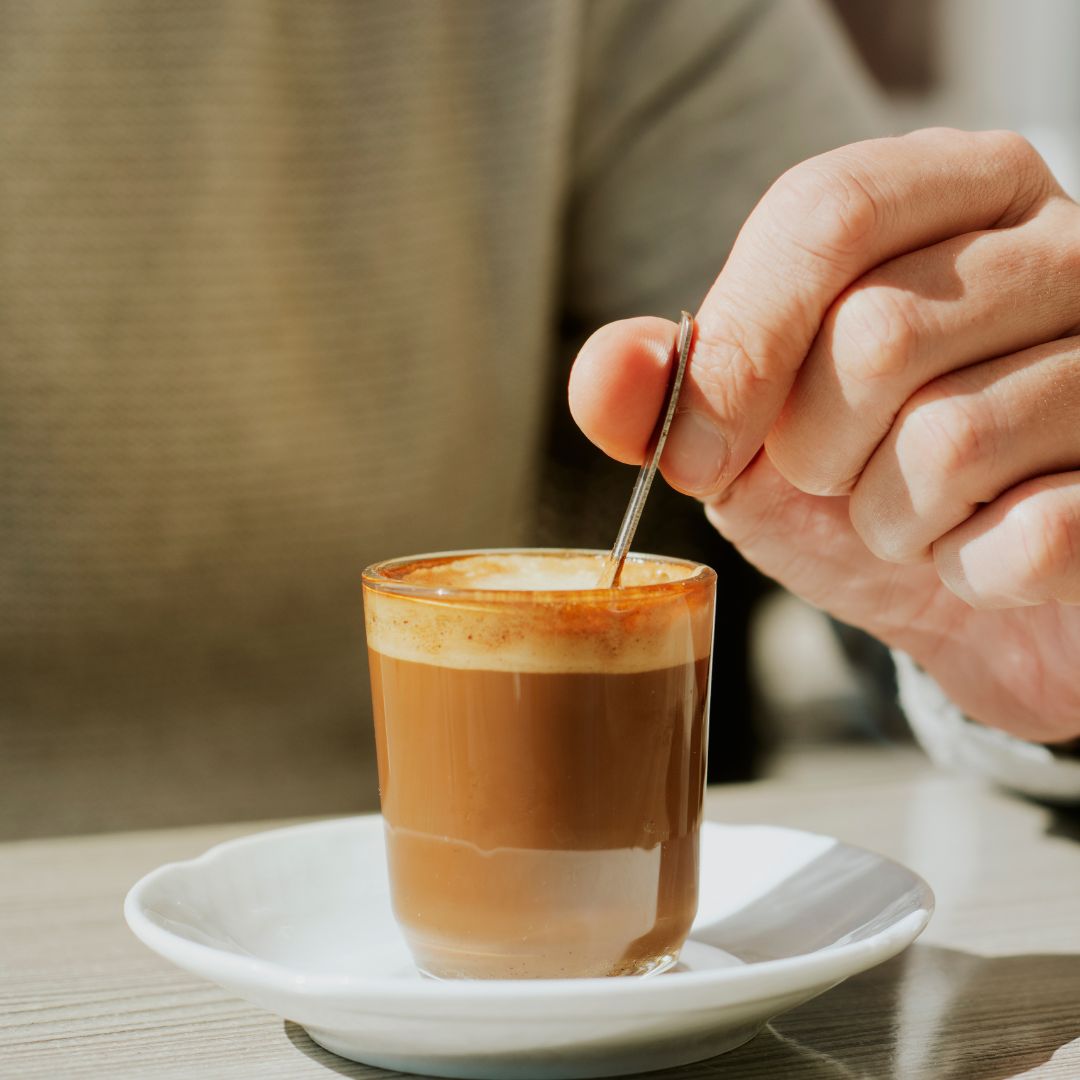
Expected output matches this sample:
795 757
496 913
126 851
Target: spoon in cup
612 572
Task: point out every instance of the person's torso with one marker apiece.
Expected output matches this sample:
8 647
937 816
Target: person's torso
276 298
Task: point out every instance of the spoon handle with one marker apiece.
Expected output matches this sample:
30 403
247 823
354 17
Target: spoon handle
609 578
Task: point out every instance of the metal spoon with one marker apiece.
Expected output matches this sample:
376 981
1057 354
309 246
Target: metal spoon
609 578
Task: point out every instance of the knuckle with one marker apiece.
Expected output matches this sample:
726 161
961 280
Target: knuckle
941 436
743 354
936 133
875 333
1050 256
1045 543
816 480
1068 258
1032 179
884 547
864 520
804 459
879 530
1017 151
1009 152
824 207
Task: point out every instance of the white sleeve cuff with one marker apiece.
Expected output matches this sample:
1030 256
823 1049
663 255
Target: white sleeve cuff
955 742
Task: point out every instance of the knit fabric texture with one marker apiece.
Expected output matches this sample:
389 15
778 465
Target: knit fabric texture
284 289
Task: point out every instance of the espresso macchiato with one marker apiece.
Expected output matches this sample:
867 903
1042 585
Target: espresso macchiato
541 758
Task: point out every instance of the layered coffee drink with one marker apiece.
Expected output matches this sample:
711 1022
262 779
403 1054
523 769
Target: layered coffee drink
541 752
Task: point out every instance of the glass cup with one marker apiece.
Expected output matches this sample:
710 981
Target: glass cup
541 751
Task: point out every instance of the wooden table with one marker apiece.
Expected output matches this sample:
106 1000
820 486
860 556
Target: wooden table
991 990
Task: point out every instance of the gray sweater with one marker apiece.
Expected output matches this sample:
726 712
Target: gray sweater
282 290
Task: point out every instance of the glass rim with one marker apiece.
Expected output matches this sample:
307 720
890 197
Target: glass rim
376 578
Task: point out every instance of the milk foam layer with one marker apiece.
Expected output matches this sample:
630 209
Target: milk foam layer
525 571
660 618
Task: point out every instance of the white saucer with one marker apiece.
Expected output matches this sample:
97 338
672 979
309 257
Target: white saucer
298 921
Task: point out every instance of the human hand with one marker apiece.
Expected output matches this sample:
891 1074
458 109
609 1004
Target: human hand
882 409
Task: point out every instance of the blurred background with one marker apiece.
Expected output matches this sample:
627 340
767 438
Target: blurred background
978 64
286 289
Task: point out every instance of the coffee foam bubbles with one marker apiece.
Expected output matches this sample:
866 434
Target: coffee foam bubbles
528 571
626 630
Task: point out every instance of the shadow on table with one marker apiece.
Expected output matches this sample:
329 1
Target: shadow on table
930 1014
342 1066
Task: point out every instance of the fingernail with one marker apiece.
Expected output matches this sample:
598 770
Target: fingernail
695 454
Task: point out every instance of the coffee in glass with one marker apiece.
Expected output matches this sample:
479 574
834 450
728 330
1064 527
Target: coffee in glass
541 753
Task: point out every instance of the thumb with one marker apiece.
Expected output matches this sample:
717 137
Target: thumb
617 388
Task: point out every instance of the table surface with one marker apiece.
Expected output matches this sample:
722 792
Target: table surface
991 990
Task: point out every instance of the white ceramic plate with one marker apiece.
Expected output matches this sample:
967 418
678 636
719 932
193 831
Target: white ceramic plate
298 921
